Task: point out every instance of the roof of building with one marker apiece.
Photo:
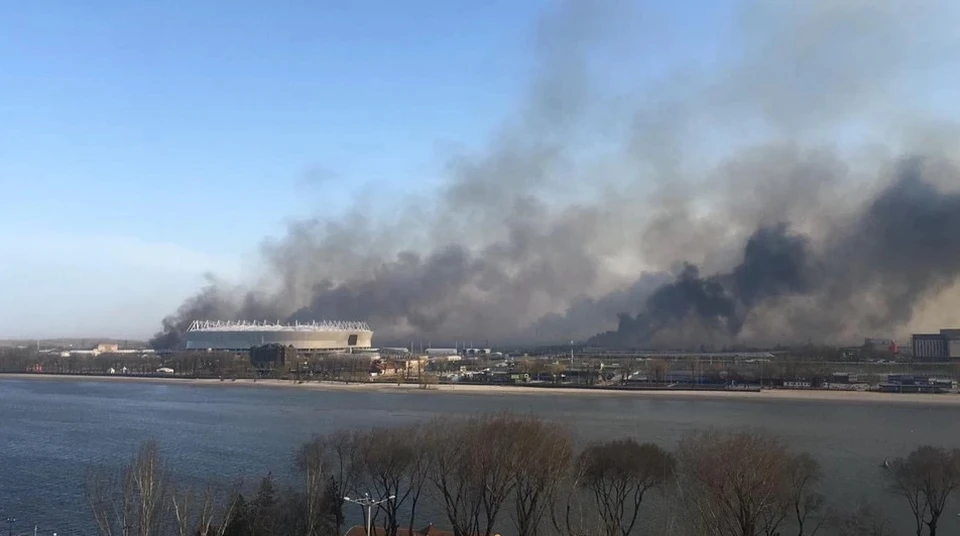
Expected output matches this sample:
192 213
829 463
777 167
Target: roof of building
360 530
244 325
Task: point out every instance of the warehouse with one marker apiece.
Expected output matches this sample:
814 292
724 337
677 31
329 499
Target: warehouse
933 346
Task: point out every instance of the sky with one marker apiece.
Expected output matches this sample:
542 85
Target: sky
144 145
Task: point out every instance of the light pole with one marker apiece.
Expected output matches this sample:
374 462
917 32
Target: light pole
369 503
10 522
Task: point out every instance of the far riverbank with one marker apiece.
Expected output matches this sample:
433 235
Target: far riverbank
499 390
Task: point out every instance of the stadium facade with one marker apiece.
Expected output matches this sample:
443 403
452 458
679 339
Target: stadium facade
314 337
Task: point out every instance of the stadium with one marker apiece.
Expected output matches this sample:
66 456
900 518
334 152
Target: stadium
313 337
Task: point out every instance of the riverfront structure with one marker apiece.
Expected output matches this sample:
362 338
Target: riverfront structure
333 336
943 345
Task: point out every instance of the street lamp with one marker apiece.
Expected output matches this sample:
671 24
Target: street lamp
10 522
369 503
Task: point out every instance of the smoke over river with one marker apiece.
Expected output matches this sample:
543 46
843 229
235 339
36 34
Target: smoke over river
777 187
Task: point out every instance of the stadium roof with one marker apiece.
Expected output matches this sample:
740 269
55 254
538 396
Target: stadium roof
244 325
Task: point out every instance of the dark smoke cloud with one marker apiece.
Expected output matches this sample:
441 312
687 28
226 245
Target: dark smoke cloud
902 246
775 263
727 173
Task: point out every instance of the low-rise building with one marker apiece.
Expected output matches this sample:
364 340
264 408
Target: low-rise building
933 346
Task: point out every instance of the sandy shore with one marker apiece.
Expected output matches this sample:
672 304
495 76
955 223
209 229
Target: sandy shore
501 390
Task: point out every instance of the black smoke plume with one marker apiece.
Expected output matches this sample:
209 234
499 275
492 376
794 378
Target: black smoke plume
869 276
732 178
775 263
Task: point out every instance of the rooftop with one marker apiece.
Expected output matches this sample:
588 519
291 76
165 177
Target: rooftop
255 325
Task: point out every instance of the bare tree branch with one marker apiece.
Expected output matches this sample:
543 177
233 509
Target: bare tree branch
926 478
746 483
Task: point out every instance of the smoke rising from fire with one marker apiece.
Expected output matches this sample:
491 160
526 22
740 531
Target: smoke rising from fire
721 202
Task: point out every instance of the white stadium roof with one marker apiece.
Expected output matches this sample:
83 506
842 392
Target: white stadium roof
243 325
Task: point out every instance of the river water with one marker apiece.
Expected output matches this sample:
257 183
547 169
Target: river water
53 431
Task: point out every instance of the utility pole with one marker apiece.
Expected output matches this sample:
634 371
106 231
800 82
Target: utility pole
368 503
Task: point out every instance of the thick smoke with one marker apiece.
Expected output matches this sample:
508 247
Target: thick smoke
734 173
867 277
775 263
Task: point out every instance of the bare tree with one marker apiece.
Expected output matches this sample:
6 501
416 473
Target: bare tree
804 474
744 483
568 513
658 369
133 503
862 521
327 464
188 509
926 478
195 513
472 466
312 460
389 462
450 474
419 471
542 454
111 507
617 474
150 480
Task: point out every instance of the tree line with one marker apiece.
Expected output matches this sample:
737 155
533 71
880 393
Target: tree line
190 363
513 474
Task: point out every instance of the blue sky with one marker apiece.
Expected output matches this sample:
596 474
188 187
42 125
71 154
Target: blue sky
143 144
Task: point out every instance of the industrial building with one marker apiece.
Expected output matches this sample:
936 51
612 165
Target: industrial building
103 348
943 345
880 345
315 337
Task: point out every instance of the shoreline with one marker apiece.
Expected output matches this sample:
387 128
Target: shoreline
766 395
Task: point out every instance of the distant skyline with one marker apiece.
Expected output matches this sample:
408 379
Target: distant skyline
143 146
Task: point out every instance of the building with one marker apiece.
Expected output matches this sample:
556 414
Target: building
943 345
880 345
100 349
904 383
271 355
315 337
951 339
929 346
432 352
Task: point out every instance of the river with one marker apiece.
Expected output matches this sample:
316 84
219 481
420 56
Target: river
53 431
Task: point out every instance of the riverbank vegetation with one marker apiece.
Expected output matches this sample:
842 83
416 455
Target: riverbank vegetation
512 474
